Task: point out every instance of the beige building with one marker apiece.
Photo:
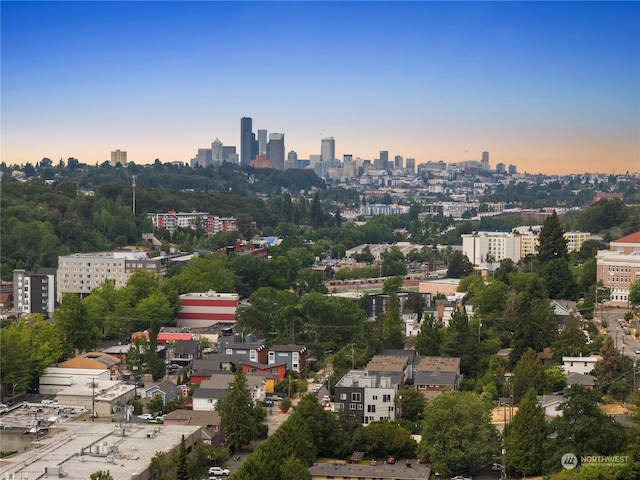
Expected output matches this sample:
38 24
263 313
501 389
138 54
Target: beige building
619 267
575 240
118 156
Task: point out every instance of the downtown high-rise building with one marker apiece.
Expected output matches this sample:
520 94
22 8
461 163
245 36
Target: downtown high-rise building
216 151
262 142
384 159
484 163
118 157
249 147
410 165
275 150
328 149
397 162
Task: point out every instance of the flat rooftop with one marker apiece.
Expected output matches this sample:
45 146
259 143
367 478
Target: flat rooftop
124 456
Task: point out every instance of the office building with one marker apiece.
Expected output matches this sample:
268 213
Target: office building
262 142
484 163
328 149
34 292
203 158
217 151
249 147
292 160
275 150
485 250
384 160
513 170
118 157
411 165
397 162
575 240
229 154
500 168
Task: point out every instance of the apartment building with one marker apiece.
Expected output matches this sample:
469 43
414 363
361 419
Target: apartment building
487 249
34 292
211 224
366 396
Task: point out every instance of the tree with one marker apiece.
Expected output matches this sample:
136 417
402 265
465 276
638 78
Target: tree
457 432
559 279
101 475
611 366
526 437
416 304
634 293
316 214
410 403
392 325
236 411
459 265
182 468
571 341
583 428
529 373
429 338
79 333
551 241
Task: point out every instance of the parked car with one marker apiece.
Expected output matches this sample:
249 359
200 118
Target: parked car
637 350
218 471
496 467
146 416
140 384
390 460
268 403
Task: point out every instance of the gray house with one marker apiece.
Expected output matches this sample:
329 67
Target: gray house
167 390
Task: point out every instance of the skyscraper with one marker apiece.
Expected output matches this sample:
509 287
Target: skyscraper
384 159
275 150
397 161
411 165
216 151
248 142
262 142
484 163
328 149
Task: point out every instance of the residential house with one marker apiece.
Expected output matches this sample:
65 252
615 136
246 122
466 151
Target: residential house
210 422
551 405
366 396
93 360
396 366
587 381
582 365
434 374
294 356
185 352
166 389
204 368
205 398
561 312
252 352
271 373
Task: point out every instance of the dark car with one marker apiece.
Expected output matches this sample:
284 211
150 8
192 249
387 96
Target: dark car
140 384
390 460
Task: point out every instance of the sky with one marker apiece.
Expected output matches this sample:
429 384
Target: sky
551 87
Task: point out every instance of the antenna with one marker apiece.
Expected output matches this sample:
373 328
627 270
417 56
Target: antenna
133 177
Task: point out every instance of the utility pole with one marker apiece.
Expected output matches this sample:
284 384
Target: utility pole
93 398
133 186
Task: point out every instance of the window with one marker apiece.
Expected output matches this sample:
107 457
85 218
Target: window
352 406
356 397
371 408
375 397
360 406
343 396
386 398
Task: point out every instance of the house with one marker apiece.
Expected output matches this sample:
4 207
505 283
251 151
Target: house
166 389
203 369
561 313
205 398
434 374
294 356
396 366
271 373
185 352
252 352
366 396
546 356
582 365
551 405
210 422
587 381
93 360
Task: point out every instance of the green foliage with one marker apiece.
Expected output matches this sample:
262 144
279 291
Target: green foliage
551 242
571 341
612 365
429 338
602 215
410 403
237 413
182 469
380 439
529 373
559 279
392 325
457 432
459 265
79 333
101 475
526 437
155 404
555 380
634 293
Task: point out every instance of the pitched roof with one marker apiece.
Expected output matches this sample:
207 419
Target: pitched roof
166 386
633 238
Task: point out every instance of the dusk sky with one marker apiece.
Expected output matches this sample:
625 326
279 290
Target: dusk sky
552 87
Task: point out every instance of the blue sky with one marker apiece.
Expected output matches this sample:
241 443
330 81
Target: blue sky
552 87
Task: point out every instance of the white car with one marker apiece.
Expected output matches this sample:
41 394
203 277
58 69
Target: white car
146 416
218 471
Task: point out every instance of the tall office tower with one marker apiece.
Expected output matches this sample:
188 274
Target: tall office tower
328 149
500 168
397 161
411 165
229 154
512 169
384 159
217 150
249 146
275 150
118 157
204 157
262 142
484 163
292 160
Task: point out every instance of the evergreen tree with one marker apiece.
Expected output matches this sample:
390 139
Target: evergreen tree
534 325
316 215
611 366
559 279
182 469
529 373
571 341
236 411
429 338
526 437
392 325
551 242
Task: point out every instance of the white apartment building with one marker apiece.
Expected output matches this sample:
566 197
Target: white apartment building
82 272
485 250
619 267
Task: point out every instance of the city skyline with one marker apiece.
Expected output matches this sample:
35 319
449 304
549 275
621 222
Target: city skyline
552 87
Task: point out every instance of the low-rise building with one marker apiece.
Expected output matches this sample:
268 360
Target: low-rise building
366 396
206 309
619 267
582 365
